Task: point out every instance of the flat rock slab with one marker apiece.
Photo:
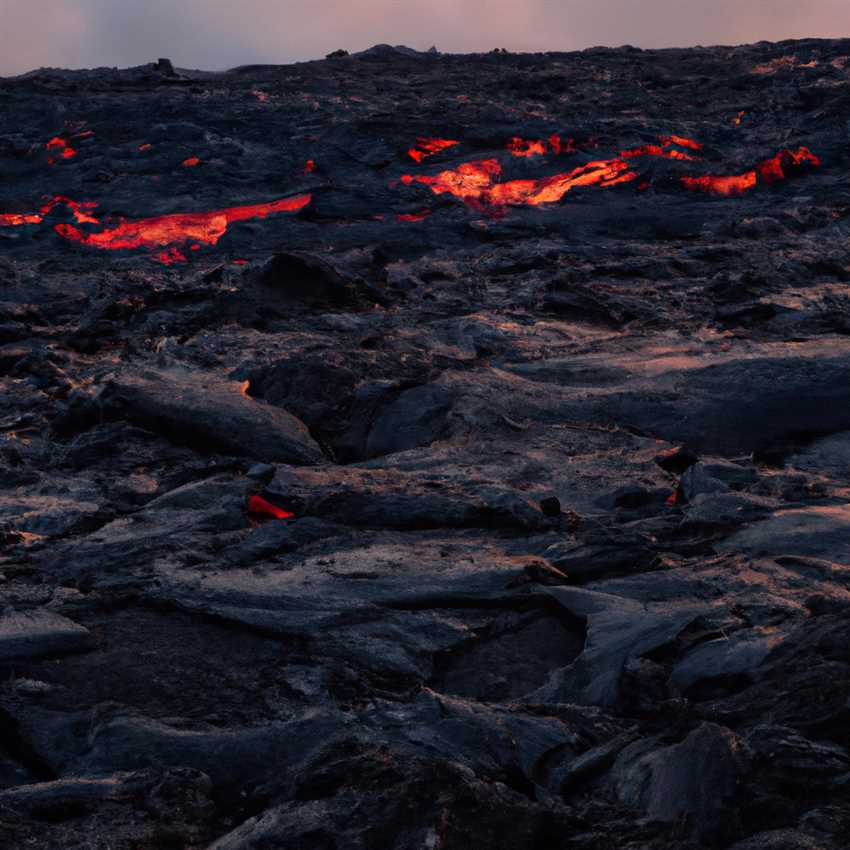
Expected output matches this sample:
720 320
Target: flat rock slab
204 410
817 532
28 634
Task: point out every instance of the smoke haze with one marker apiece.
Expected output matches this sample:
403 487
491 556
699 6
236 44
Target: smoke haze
217 34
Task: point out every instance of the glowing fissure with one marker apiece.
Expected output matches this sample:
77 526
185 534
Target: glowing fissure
426 147
779 167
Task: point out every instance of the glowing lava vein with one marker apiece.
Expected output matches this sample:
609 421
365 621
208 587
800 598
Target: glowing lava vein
177 228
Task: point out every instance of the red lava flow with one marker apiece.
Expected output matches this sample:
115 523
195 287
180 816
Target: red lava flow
169 231
61 148
476 183
191 162
78 208
426 147
779 167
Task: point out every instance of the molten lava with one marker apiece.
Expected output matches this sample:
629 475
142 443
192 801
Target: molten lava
667 149
475 183
258 506
62 149
656 150
170 257
78 208
420 216
681 141
426 147
518 146
779 167
17 219
191 162
168 231
309 166
526 147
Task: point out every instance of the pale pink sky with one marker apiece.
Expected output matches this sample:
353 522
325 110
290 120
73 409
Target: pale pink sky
217 34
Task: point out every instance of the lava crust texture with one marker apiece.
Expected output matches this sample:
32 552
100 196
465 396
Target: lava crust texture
416 451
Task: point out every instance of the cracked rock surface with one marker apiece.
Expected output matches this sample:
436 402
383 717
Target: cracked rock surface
400 519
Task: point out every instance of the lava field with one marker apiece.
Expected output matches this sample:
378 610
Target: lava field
406 451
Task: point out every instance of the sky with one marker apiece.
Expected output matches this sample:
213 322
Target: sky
219 34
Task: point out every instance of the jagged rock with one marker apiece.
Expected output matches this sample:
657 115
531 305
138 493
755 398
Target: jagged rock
693 783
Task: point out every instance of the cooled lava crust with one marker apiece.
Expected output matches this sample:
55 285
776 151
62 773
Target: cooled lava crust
417 451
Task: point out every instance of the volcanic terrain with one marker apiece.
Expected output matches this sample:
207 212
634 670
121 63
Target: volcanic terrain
407 451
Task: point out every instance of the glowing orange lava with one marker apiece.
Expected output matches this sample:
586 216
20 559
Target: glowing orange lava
191 162
17 219
259 506
518 146
62 149
166 231
779 167
681 141
665 149
475 183
426 147
78 208
526 147
170 257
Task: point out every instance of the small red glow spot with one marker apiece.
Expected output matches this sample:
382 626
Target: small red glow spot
145 147
258 506
61 148
170 257
420 216
191 162
309 166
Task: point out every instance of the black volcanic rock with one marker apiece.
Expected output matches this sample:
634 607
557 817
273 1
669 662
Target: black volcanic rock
409 449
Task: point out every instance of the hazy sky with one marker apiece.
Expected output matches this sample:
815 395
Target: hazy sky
216 34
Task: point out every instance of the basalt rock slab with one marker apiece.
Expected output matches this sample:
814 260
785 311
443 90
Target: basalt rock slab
202 409
27 634
693 783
